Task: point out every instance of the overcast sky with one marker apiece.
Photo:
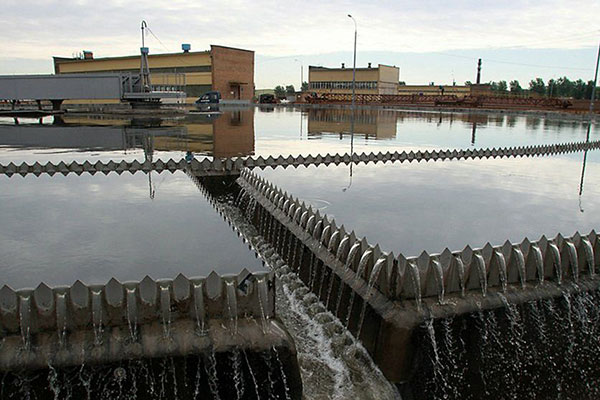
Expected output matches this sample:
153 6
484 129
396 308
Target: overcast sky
429 40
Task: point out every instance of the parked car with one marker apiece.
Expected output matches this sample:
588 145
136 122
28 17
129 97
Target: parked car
267 98
209 101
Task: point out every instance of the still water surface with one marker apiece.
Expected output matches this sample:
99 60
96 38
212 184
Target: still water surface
58 229
92 227
412 207
265 131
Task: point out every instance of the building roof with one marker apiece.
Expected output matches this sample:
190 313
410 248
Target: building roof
321 68
70 59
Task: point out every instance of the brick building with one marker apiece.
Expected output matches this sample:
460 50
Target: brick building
225 69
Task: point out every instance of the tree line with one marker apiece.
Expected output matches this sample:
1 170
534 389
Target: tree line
289 90
561 87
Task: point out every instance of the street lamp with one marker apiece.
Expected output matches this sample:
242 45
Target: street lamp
301 73
353 104
354 64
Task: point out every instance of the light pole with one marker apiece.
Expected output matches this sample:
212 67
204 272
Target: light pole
354 64
589 128
301 73
353 104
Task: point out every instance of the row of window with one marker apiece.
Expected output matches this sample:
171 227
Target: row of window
343 85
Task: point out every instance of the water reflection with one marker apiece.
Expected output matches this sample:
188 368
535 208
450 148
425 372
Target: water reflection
432 205
229 134
271 131
96 227
372 124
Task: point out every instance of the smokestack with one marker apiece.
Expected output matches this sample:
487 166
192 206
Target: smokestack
479 71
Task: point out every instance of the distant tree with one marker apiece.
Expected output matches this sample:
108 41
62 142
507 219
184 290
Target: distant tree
289 90
588 91
304 86
402 83
502 86
564 87
468 83
579 89
493 86
515 87
538 86
279 91
551 88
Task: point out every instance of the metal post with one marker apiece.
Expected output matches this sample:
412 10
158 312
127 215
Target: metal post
589 127
354 65
595 81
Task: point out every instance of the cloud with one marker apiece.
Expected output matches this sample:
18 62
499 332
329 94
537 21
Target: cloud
35 30
275 28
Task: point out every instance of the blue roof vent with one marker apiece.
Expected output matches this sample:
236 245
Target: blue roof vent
186 47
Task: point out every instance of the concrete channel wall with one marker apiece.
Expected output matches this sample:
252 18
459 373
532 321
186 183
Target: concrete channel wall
233 166
103 325
384 299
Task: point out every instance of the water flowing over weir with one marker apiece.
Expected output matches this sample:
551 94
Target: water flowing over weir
510 321
333 364
214 337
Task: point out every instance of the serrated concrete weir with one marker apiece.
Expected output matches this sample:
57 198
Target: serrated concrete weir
151 319
218 167
384 298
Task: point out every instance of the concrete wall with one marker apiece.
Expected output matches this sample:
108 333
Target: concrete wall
233 72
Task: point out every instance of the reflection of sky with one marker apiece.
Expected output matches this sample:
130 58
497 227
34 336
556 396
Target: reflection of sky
59 229
429 206
284 131
280 132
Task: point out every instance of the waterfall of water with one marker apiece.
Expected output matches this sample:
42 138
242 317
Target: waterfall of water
210 366
97 317
165 309
24 321
61 318
349 261
132 313
232 306
379 265
238 377
362 266
415 277
199 308
539 349
263 296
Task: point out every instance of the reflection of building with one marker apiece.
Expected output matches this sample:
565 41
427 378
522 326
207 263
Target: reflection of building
224 69
378 124
227 135
380 80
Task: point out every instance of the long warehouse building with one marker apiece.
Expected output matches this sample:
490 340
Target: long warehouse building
227 70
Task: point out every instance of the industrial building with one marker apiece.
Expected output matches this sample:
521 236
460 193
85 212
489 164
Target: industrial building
225 69
382 79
